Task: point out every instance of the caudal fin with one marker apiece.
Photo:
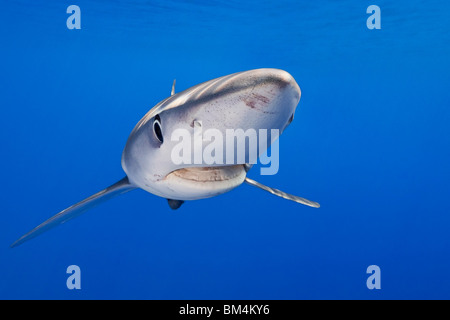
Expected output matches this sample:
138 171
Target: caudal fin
119 187
283 194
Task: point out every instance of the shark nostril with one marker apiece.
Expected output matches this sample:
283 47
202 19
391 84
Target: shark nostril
196 123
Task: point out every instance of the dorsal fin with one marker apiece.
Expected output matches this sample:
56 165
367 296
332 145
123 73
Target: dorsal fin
173 87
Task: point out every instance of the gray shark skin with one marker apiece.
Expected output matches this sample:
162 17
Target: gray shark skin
255 99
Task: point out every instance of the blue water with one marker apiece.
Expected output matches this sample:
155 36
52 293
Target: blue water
370 142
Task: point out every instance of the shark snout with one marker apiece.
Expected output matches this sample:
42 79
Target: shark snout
270 99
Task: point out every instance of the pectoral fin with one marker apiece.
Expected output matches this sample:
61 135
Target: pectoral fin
74 211
174 204
282 194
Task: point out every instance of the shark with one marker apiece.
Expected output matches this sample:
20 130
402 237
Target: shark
255 99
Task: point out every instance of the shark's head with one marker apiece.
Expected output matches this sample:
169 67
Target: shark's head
256 99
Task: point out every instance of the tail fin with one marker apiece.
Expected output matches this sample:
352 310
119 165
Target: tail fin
119 187
282 194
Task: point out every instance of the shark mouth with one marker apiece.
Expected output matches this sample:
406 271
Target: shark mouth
208 174
189 182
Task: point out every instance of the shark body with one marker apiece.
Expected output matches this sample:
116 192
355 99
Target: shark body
256 99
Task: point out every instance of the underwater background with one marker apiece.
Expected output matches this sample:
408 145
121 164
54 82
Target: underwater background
370 142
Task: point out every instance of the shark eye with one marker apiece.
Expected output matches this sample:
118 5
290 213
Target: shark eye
157 131
290 119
